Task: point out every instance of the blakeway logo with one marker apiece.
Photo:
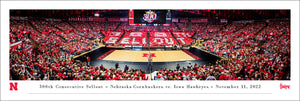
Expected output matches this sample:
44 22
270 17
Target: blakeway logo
284 86
150 16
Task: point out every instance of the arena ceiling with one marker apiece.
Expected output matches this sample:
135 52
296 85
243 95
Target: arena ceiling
177 13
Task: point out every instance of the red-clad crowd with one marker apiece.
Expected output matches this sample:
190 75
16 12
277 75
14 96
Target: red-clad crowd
129 28
231 28
254 46
81 26
126 27
171 28
43 26
98 26
183 26
213 27
19 41
111 26
43 68
255 51
198 28
53 47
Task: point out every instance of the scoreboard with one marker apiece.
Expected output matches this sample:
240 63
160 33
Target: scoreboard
150 17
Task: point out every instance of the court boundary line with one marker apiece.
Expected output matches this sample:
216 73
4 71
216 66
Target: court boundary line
193 59
152 61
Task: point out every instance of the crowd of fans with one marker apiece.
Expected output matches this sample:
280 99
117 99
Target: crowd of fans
97 26
53 48
81 26
65 27
64 69
129 28
183 26
198 29
19 41
19 31
230 43
259 51
230 28
43 26
111 26
126 27
171 28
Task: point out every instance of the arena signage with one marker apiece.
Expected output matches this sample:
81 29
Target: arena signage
163 41
184 38
185 41
136 34
148 17
110 40
134 38
160 34
162 38
133 41
112 37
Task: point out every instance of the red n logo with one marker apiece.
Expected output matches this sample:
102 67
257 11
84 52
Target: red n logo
13 86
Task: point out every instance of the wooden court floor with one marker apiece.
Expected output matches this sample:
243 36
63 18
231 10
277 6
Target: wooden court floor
137 56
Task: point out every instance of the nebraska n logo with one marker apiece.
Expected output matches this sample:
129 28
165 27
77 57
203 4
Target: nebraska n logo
13 86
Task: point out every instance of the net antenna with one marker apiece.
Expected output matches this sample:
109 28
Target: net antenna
149 62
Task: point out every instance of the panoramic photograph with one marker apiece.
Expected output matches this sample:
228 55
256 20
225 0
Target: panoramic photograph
149 44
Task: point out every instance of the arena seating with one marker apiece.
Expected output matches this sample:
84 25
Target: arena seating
65 27
97 26
171 28
81 26
244 48
112 26
213 27
43 26
19 37
254 51
198 27
126 27
183 26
